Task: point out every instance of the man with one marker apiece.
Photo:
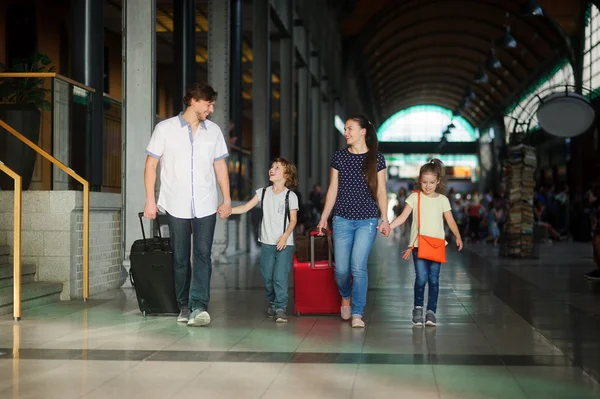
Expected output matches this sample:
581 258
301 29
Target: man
192 152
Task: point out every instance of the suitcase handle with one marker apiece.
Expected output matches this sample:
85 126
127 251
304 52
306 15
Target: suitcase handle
312 251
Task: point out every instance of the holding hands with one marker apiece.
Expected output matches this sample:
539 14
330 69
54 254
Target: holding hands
224 210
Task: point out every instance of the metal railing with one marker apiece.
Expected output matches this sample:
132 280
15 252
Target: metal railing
86 203
18 200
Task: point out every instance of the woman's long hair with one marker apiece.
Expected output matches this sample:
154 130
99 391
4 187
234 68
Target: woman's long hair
370 164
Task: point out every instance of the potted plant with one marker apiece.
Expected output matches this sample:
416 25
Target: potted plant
21 103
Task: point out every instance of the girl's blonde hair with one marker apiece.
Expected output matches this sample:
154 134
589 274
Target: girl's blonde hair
435 167
290 172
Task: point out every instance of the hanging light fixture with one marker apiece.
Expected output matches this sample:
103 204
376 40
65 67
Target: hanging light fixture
508 40
481 76
493 62
471 94
531 8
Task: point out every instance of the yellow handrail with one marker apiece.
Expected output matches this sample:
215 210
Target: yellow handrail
45 75
17 241
86 202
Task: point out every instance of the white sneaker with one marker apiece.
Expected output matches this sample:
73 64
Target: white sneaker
184 316
199 318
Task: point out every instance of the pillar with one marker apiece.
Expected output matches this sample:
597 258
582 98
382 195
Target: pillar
139 110
315 124
184 48
261 93
303 132
286 76
87 66
218 77
325 139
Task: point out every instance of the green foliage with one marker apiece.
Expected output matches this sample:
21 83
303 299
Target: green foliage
27 90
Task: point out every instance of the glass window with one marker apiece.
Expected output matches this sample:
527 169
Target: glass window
425 123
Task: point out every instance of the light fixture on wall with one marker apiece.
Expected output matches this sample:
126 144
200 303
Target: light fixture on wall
481 76
493 62
531 8
508 40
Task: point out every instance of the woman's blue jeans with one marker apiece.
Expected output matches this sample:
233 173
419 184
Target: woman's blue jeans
427 272
352 242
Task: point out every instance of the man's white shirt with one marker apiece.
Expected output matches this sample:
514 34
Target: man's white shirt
188 186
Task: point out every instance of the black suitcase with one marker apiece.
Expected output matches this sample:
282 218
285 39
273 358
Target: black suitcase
151 274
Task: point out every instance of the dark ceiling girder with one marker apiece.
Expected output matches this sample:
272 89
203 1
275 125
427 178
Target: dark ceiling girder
390 13
479 55
475 112
545 31
443 88
466 27
424 64
426 147
430 81
488 88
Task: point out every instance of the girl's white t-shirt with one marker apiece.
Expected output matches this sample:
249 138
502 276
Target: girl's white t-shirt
274 214
432 216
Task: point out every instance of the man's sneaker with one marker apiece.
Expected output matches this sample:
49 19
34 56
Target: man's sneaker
184 315
593 275
430 318
280 316
417 318
270 312
199 318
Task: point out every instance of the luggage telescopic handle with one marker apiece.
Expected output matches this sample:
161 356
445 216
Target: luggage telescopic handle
141 215
312 251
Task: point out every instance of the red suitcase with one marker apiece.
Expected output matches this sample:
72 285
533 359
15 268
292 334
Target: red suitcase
315 289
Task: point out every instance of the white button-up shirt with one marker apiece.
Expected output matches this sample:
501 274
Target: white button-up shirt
188 187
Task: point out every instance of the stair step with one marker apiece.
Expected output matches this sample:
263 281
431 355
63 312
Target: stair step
6 274
32 295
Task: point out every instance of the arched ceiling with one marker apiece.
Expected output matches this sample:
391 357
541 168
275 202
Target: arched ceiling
429 51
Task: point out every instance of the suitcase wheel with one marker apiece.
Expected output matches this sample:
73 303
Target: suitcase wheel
298 314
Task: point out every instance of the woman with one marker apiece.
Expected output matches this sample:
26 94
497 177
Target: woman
357 189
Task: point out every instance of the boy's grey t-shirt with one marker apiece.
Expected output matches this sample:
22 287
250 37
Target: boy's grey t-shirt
273 215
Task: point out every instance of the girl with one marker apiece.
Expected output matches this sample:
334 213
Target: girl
280 210
434 208
356 189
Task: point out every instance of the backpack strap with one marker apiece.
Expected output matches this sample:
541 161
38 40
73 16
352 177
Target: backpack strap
287 210
262 212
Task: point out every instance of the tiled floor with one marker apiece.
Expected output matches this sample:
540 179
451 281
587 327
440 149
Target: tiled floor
507 329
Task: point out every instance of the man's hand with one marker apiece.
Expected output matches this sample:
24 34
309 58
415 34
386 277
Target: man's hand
150 210
224 210
282 242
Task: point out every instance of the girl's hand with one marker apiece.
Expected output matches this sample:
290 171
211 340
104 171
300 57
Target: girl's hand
459 243
282 242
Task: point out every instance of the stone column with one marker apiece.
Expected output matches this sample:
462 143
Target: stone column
303 132
139 110
261 93
324 144
286 76
218 77
315 126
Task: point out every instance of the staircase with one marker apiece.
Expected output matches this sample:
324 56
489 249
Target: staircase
33 293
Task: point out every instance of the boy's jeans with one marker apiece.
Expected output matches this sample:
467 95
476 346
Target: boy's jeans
275 268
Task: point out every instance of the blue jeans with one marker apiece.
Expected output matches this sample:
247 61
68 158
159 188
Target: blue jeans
427 272
180 231
352 242
275 268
